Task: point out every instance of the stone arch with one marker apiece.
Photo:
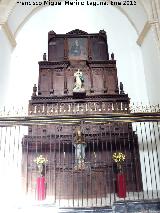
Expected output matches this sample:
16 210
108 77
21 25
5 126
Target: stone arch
128 13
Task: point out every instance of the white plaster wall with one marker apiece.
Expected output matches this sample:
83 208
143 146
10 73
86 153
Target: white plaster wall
151 59
5 57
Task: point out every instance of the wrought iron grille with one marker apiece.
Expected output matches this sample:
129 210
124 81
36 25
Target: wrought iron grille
80 170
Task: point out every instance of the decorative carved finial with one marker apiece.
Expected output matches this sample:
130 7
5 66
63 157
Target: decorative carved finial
102 32
121 88
77 32
44 57
112 56
52 32
34 90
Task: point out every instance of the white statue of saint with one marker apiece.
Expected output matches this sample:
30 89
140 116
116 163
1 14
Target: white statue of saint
79 79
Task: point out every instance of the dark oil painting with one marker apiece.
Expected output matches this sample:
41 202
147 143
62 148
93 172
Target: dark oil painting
77 48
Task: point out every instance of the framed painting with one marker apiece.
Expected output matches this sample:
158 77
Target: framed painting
77 49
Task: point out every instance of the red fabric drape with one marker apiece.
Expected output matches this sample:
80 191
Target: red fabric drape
41 191
121 185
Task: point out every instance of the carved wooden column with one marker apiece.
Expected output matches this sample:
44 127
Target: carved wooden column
104 81
116 81
91 78
65 82
53 79
65 49
51 90
39 83
89 49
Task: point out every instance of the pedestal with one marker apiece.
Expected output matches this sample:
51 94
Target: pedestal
41 191
121 185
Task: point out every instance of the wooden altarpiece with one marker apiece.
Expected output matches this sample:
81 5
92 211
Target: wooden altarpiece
58 95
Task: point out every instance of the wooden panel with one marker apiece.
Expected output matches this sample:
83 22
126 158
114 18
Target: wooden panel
70 81
59 83
110 82
98 49
45 82
56 49
97 81
87 81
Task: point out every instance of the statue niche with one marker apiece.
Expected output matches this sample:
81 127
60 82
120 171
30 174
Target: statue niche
79 83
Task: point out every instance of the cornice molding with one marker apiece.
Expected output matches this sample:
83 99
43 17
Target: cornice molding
9 34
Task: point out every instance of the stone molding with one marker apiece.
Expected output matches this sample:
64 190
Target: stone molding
9 34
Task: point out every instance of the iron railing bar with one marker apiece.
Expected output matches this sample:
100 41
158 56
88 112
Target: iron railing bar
136 152
156 155
62 176
27 175
5 143
18 145
91 186
68 162
103 158
55 164
82 185
112 116
123 150
150 134
14 144
72 164
158 128
92 173
146 141
115 150
89 121
46 154
50 189
95 179
132 156
9 145
59 160
112 166
1 139
36 127
78 191
107 169
149 156
85 174
144 160
89 158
